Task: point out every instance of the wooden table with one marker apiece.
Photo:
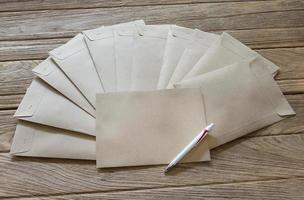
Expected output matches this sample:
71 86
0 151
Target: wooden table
268 164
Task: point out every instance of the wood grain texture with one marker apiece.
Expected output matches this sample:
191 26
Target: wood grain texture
75 4
270 38
28 49
16 76
292 189
292 125
290 61
10 101
292 86
208 17
247 159
7 129
265 38
266 164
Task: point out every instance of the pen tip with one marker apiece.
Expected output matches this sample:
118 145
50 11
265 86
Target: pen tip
167 169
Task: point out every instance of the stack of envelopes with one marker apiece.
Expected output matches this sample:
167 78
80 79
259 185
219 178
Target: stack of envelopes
135 94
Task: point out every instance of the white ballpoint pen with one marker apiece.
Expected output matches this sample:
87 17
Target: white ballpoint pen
190 146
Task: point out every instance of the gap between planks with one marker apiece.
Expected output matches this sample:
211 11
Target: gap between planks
195 16
272 165
166 3
161 187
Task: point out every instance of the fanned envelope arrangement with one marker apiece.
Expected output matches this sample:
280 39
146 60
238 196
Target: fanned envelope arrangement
134 94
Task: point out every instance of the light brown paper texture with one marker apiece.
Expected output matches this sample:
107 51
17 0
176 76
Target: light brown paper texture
195 50
226 51
178 39
239 99
149 49
148 128
44 105
49 72
75 61
124 39
101 45
36 140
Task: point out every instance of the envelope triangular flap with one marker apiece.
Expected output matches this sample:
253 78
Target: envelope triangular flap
149 46
68 49
77 65
196 49
23 139
107 31
124 40
31 99
178 39
125 31
238 101
38 106
128 29
153 31
45 67
182 32
270 88
43 141
239 48
225 51
99 33
203 37
49 72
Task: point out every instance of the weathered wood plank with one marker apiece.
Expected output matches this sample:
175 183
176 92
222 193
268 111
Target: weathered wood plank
291 86
290 125
28 49
292 189
10 101
249 159
270 38
208 17
7 129
290 61
75 4
258 38
275 152
16 76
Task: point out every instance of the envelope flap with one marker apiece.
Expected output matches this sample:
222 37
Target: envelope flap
204 37
154 31
242 50
30 102
270 88
99 33
45 67
182 32
71 47
23 139
125 31
140 22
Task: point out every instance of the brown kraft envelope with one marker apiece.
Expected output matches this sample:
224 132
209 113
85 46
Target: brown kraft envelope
239 99
148 128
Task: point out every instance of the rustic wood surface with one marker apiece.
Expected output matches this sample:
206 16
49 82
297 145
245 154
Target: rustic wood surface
267 164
